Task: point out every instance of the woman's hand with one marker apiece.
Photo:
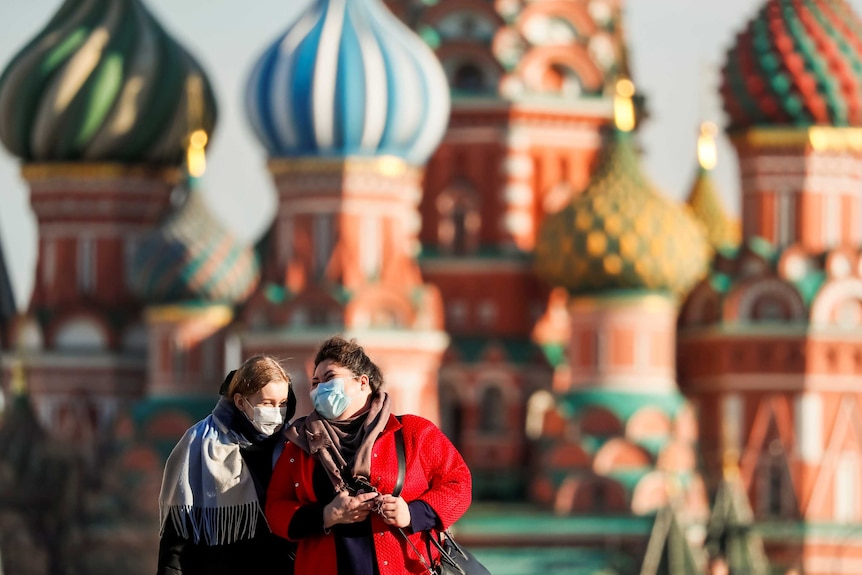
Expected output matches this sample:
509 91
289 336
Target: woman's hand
394 511
348 509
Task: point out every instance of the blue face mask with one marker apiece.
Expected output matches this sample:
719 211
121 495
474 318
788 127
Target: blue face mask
329 398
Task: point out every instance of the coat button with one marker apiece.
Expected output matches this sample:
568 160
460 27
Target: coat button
291 459
386 562
296 484
375 455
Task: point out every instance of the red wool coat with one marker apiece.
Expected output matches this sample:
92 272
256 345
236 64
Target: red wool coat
435 473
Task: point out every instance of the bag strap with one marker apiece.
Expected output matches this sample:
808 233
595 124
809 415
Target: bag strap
396 491
398 435
402 460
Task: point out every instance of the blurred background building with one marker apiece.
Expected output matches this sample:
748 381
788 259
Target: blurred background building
639 385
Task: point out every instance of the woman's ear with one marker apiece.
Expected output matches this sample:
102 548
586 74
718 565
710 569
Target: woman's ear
237 401
365 381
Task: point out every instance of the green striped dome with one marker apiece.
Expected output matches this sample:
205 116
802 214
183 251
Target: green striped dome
191 257
620 233
796 64
102 82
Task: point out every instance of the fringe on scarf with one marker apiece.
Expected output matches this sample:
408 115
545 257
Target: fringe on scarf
215 525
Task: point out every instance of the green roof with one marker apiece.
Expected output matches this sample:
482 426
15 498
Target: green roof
623 404
506 520
554 561
518 350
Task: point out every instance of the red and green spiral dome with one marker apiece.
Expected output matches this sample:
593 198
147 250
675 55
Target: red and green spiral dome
796 63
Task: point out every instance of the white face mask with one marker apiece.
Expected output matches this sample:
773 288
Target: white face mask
267 419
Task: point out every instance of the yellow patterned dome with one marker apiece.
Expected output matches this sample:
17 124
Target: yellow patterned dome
722 231
620 233
705 202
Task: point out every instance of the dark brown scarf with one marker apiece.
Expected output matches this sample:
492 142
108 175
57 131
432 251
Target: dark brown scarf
343 448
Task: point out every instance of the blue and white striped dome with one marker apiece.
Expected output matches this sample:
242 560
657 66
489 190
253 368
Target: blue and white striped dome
348 78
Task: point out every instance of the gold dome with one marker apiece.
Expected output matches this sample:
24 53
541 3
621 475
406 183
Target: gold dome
620 233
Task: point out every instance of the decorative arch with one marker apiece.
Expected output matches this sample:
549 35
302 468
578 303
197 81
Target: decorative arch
567 456
846 433
650 493
549 30
574 13
458 207
581 493
619 454
311 307
648 423
28 334
440 11
457 56
451 400
378 307
492 410
764 299
600 422
839 302
771 429
536 64
467 23
701 307
79 331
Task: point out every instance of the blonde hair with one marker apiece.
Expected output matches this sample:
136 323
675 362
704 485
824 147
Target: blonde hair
255 373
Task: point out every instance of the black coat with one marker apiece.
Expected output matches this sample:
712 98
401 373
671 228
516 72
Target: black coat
178 556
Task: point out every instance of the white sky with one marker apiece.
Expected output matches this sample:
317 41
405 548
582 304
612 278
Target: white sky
676 48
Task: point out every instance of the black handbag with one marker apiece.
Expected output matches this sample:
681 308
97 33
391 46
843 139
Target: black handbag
454 559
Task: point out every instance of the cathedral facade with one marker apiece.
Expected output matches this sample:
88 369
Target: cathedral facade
638 385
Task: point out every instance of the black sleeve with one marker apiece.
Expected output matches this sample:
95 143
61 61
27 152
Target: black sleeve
306 522
422 517
171 547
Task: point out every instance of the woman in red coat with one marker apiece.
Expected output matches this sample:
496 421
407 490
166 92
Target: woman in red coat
331 489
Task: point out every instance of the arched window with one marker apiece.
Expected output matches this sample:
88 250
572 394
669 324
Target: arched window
81 333
468 77
492 414
451 414
324 242
776 498
563 80
542 30
458 209
466 25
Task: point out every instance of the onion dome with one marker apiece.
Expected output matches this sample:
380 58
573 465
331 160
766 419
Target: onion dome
796 64
102 82
722 231
348 78
621 234
191 257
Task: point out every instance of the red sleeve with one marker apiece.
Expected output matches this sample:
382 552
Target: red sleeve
450 484
282 500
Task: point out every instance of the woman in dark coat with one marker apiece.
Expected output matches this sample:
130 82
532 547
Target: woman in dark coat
215 480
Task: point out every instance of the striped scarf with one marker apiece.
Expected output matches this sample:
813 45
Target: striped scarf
207 490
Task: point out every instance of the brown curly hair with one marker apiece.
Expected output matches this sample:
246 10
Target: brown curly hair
351 355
